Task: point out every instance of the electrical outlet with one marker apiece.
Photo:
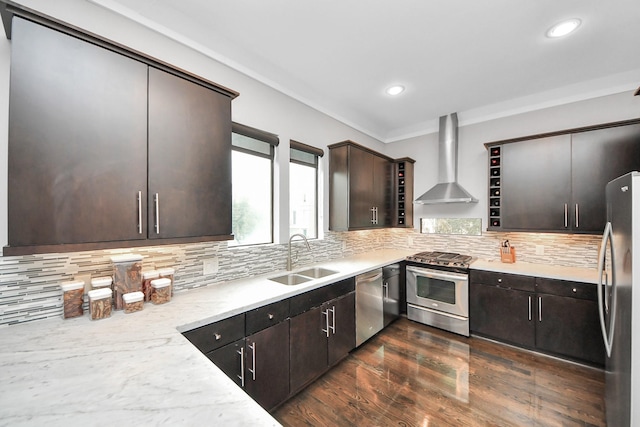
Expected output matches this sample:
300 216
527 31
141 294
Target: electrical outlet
86 278
539 249
210 266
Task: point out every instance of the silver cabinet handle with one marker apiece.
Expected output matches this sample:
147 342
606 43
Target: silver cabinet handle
376 211
529 308
333 321
139 212
539 309
373 215
270 316
577 215
326 322
241 376
156 199
217 336
252 346
566 215
386 290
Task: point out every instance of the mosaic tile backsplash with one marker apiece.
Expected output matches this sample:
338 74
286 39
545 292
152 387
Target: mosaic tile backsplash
29 285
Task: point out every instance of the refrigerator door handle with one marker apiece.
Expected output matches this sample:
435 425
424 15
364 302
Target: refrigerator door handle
607 337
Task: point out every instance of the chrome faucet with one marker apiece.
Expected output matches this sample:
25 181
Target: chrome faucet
289 263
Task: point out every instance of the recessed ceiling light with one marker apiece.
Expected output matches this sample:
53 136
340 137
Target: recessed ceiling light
563 28
395 90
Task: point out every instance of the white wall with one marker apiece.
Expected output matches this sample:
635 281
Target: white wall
472 155
258 105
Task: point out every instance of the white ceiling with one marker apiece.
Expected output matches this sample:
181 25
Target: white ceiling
482 59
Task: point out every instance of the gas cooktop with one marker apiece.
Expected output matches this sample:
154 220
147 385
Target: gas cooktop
442 258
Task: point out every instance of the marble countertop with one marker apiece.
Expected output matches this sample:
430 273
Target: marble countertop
137 368
578 274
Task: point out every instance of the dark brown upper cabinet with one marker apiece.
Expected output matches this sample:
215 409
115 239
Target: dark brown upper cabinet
77 140
556 182
107 149
189 159
360 188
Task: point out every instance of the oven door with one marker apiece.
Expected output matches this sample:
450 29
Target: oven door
438 290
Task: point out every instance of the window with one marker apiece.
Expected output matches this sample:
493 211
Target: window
303 189
252 182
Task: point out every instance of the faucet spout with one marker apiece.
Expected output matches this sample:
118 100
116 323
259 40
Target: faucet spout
289 263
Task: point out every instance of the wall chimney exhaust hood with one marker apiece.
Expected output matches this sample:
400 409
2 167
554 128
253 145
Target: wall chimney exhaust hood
447 190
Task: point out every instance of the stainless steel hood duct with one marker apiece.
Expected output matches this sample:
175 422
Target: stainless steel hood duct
447 190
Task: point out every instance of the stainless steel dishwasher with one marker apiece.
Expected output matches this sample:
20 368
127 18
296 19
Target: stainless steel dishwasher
369 305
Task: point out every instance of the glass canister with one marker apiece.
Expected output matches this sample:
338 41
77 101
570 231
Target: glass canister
147 277
127 276
100 303
168 273
161 291
72 299
133 301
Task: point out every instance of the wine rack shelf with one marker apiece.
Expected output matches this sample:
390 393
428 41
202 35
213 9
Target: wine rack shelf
495 191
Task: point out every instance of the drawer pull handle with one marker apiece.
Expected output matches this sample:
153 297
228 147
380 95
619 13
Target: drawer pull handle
574 290
270 316
217 336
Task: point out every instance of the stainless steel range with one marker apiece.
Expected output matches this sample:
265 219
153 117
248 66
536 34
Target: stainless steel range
438 290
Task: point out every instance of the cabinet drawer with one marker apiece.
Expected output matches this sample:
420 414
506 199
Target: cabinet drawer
317 297
263 317
215 335
566 288
504 280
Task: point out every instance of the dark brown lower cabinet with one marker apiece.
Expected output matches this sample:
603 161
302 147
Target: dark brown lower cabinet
342 337
271 355
569 325
267 365
559 317
264 356
320 338
502 313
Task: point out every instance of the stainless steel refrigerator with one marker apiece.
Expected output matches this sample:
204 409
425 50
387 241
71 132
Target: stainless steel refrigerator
619 300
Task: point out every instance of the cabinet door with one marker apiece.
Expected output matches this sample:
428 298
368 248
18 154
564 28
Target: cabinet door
569 327
536 184
267 365
342 336
361 197
505 314
598 157
381 191
77 141
308 347
189 159
229 360
391 302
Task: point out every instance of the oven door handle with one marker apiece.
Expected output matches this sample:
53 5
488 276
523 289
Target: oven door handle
437 274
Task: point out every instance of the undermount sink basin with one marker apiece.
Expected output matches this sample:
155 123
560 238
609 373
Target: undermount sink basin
317 272
290 279
303 276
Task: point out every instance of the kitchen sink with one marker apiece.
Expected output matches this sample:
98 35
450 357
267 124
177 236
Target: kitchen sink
316 272
291 279
303 276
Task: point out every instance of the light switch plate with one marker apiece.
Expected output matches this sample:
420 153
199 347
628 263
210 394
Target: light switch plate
210 266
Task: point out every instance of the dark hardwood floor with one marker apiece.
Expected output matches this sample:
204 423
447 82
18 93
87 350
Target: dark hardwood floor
414 375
